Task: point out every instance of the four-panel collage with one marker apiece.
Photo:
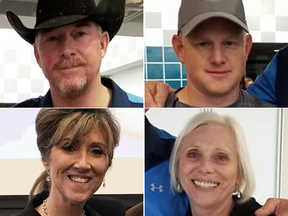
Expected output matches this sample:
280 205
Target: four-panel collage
143 108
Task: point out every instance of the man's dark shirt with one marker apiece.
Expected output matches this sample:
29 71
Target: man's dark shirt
119 98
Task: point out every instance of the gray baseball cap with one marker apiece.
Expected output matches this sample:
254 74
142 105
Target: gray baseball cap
194 12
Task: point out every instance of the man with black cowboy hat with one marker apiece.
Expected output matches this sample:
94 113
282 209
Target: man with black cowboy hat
70 38
213 42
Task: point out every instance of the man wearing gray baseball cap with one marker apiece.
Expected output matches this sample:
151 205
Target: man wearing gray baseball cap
213 42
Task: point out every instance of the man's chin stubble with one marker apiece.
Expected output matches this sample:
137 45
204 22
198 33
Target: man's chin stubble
72 91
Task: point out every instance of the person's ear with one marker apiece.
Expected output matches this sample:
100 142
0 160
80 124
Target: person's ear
177 43
36 54
239 177
248 45
104 41
45 162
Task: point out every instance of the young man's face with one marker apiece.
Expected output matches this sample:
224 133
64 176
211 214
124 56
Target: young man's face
215 55
70 56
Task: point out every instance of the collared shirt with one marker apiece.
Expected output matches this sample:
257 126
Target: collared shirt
119 98
244 100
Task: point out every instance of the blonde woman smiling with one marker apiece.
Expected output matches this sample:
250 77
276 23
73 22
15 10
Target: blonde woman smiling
210 163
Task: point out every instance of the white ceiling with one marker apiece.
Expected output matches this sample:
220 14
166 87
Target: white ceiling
132 25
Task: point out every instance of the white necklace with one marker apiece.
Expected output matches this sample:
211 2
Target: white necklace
46 212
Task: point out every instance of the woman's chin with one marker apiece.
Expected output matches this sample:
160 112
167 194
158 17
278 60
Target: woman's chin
77 199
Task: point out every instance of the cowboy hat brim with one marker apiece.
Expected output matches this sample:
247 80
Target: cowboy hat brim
109 14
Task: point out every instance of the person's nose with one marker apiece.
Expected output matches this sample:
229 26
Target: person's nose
206 167
218 56
82 161
67 47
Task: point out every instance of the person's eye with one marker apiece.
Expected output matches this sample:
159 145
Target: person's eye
230 43
221 158
193 154
52 39
68 148
97 151
203 44
80 34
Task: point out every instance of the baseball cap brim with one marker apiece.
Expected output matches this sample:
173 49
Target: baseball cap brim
188 27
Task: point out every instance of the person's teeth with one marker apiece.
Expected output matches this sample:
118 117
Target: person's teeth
205 184
82 180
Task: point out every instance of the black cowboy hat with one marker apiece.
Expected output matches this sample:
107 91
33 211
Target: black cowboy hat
108 14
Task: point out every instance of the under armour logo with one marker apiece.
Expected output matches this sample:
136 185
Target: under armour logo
153 187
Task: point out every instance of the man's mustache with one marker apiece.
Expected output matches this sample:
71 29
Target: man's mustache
69 63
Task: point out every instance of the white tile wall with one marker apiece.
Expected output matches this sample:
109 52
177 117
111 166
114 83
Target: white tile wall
267 23
267 12
252 7
154 37
121 51
281 7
